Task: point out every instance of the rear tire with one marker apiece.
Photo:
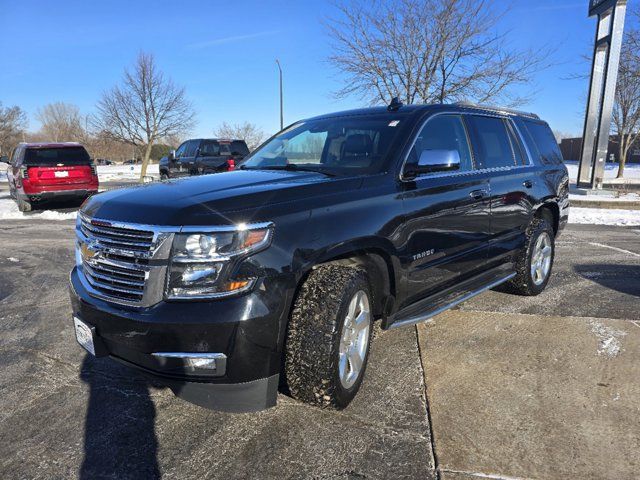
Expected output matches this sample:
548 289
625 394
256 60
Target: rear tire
535 261
24 205
329 336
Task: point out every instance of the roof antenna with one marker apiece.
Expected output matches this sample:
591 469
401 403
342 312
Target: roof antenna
394 105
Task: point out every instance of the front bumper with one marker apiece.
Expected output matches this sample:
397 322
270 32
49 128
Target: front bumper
248 330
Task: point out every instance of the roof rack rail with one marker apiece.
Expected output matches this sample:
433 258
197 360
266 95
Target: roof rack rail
497 109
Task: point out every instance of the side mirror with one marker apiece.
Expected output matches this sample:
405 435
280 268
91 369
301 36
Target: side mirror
172 155
4 159
431 161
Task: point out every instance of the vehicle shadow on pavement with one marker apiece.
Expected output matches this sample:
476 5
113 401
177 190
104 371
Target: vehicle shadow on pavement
119 435
621 278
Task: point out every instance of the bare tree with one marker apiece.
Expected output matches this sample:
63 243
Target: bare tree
62 122
428 51
13 124
145 108
626 111
246 131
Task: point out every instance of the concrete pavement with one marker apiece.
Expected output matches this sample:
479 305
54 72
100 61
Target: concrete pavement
515 386
530 396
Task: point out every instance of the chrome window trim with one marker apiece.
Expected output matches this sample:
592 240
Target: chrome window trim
527 152
467 172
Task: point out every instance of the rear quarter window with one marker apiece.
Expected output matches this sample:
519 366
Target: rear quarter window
546 148
239 148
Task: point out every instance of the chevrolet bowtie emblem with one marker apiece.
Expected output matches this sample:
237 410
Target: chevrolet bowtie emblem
87 252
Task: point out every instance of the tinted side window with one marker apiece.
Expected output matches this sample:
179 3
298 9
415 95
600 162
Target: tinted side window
181 149
16 157
491 142
192 146
209 148
545 142
239 147
444 132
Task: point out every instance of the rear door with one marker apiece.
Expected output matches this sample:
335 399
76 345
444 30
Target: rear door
447 214
209 158
499 152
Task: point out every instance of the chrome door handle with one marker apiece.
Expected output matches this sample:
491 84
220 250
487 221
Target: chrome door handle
478 194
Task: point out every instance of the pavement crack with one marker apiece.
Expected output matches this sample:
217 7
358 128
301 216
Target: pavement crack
494 476
432 439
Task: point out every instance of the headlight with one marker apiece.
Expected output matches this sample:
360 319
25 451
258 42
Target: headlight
202 263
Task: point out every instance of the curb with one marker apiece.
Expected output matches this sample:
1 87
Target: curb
604 204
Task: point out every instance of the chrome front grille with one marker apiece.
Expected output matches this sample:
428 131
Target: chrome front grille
123 282
120 262
117 238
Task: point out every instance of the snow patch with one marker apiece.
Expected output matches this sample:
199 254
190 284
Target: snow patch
609 341
107 173
604 216
13 259
9 211
631 170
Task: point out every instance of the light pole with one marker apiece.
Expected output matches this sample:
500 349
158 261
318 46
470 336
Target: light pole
281 115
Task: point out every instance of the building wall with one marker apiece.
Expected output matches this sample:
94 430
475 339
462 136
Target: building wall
572 149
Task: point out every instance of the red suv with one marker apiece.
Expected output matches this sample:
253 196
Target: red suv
50 171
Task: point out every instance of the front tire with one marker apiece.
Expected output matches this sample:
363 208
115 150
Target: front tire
164 176
329 337
535 261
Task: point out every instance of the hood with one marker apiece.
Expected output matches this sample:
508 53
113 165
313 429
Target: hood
208 199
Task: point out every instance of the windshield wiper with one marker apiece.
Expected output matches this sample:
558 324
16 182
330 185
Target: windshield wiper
291 167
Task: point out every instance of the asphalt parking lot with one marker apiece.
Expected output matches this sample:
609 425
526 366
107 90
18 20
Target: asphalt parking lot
504 387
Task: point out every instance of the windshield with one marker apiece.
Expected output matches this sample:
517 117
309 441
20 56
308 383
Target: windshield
341 145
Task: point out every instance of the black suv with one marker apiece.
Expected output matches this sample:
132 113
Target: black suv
227 286
203 155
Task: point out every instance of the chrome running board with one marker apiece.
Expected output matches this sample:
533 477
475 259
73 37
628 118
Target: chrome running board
423 317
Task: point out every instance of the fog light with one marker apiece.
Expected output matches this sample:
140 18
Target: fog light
209 363
216 363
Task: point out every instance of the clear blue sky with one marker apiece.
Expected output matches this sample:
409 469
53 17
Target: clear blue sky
224 54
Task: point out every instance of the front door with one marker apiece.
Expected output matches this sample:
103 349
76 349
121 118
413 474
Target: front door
175 165
188 160
447 214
